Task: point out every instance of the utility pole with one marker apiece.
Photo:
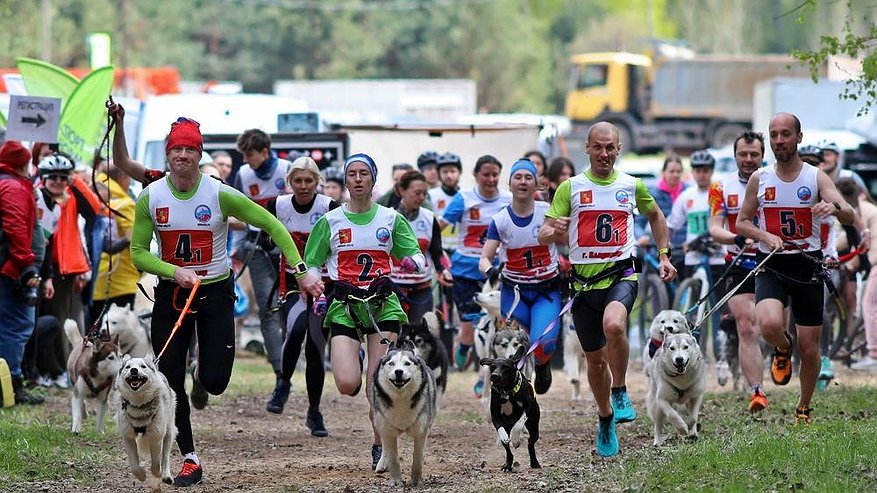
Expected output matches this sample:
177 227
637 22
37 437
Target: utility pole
47 30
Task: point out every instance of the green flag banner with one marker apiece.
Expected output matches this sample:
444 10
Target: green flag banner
46 80
84 113
2 120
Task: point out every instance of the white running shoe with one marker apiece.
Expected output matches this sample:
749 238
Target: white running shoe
62 381
723 372
865 364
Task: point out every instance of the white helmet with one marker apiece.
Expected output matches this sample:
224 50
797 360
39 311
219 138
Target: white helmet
55 163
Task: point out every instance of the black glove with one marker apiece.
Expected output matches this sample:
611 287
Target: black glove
114 247
265 242
740 241
492 275
29 293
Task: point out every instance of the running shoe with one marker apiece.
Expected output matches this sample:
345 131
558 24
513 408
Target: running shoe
198 396
802 415
315 423
542 381
865 364
607 440
189 475
478 388
622 407
758 402
825 372
461 355
377 450
279 397
781 364
723 372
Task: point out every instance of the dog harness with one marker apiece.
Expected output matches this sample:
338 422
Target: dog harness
519 380
373 297
95 390
147 410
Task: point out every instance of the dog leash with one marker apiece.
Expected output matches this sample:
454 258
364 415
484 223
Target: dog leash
185 311
695 330
716 284
547 330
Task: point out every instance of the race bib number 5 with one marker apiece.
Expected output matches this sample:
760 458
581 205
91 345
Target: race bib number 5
184 248
789 223
602 228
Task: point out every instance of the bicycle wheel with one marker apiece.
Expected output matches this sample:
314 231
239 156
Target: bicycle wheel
834 326
686 297
653 298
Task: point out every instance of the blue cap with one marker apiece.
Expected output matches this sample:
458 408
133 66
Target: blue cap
365 159
523 165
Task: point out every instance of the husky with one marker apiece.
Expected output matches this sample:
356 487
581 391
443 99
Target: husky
145 411
666 322
574 362
92 366
427 345
403 399
484 330
676 383
122 321
512 406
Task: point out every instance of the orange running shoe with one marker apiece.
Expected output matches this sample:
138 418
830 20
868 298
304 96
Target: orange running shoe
758 401
802 415
781 364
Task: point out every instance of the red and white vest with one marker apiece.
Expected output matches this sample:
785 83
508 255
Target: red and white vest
440 201
733 193
360 254
191 233
300 225
784 208
601 227
477 214
262 191
527 261
422 226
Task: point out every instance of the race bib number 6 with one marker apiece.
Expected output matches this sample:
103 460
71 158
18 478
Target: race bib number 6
789 223
602 228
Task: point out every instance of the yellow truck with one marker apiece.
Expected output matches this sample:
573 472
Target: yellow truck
680 103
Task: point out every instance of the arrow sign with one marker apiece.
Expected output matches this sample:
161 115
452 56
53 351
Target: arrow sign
38 120
33 119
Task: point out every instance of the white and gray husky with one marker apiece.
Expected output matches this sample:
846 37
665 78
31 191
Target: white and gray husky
676 385
403 399
145 412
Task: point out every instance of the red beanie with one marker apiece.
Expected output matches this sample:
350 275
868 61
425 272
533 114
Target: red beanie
14 154
186 133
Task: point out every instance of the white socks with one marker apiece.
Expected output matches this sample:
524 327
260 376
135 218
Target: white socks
193 457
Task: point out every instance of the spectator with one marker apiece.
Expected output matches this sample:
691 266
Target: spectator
560 170
223 163
392 198
334 185
665 193
21 249
427 163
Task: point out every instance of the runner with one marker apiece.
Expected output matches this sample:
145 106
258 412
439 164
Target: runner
472 210
790 199
726 198
188 213
416 287
299 211
530 283
594 210
355 243
427 163
449 168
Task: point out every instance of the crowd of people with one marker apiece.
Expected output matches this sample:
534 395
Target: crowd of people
335 265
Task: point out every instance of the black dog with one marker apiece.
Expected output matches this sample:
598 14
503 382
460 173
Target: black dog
511 397
428 346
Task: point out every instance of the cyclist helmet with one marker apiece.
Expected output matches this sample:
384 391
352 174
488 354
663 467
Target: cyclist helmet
449 159
810 151
830 146
428 158
55 163
701 159
333 174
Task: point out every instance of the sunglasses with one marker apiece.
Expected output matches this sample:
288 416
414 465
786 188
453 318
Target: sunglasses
57 177
183 119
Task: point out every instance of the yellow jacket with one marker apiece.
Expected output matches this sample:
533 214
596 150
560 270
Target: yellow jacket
124 274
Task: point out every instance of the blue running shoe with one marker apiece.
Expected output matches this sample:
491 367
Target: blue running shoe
607 440
461 355
479 388
622 407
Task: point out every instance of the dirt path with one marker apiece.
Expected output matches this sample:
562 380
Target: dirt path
246 449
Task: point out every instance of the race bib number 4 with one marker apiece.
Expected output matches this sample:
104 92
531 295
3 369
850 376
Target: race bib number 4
789 223
185 248
602 228
476 235
361 267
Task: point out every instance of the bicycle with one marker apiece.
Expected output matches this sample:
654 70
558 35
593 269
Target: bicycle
652 293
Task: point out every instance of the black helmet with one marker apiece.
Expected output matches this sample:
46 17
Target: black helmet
811 150
55 163
428 158
448 159
701 159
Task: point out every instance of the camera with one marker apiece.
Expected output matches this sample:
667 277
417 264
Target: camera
30 293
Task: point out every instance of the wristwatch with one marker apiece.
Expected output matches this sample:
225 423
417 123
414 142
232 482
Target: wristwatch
664 251
300 268
836 206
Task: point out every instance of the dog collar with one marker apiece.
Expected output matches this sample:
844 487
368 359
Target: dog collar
519 380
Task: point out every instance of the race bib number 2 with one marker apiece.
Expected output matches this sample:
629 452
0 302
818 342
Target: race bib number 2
602 228
362 266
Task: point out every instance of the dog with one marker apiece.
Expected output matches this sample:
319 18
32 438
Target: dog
488 299
505 343
511 399
403 399
145 412
666 322
574 363
123 321
677 382
425 338
92 366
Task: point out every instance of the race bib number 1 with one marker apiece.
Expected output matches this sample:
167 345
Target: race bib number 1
602 228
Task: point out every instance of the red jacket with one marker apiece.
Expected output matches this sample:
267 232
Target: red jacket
17 217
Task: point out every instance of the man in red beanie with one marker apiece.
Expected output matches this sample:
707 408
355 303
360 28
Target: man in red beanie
187 212
21 249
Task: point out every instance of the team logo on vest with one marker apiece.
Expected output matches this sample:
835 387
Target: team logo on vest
622 197
732 200
254 190
315 217
421 226
39 214
770 193
474 214
203 214
383 235
441 204
280 184
586 197
689 203
345 236
162 214
804 194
